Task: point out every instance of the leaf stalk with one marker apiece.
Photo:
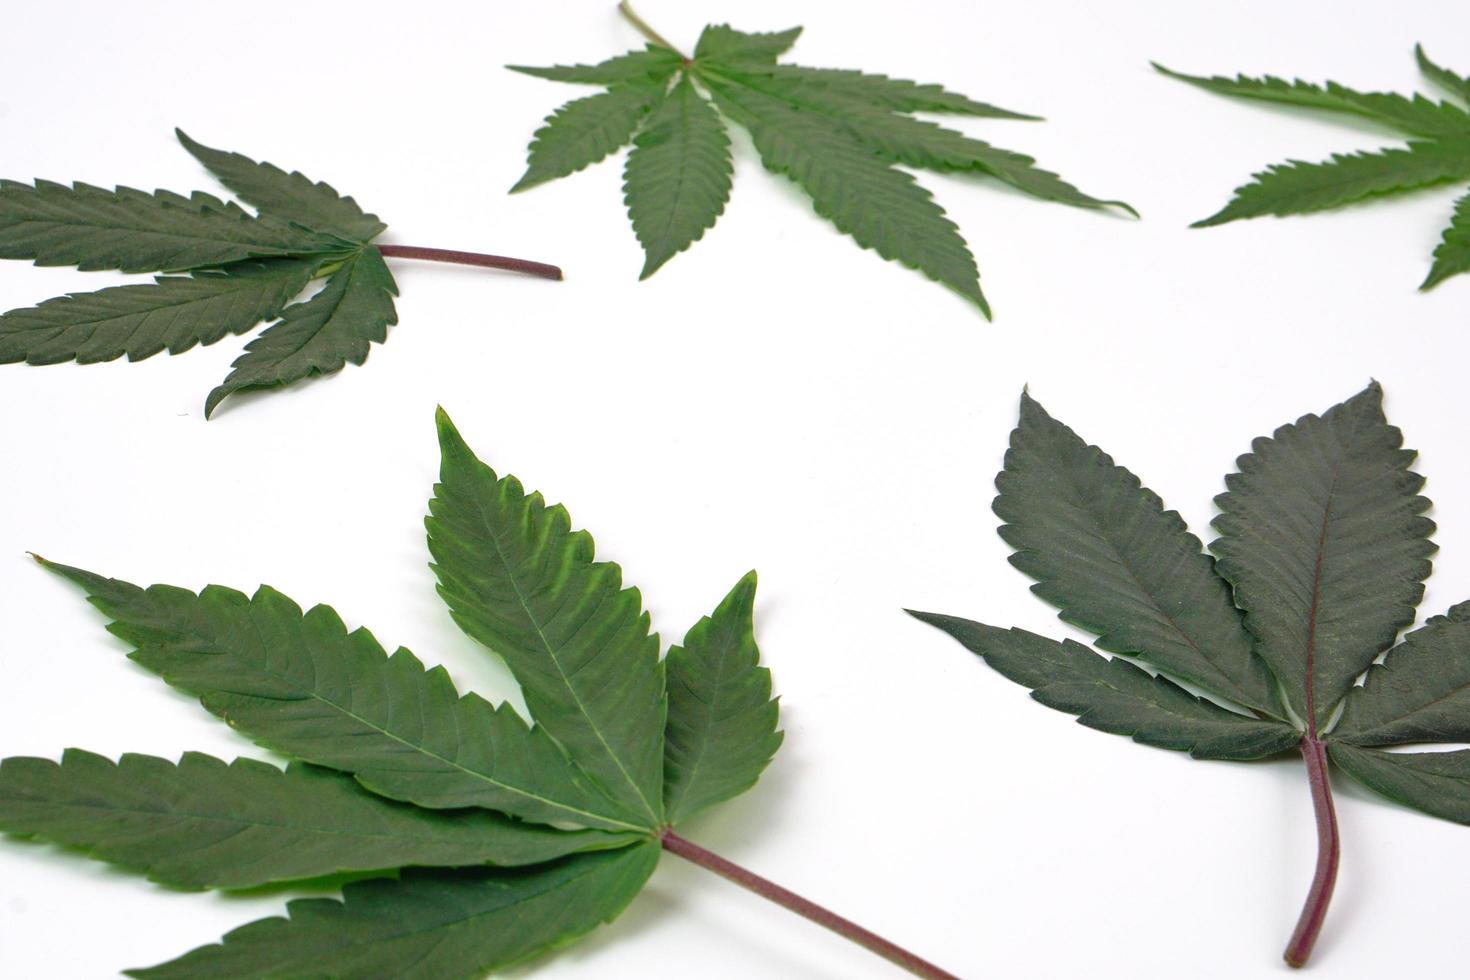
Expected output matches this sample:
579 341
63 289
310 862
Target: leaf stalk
771 891
641 26
1329 848
526 266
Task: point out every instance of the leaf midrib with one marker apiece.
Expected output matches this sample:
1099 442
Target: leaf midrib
245 824
1311 699
129 224
707 722
551 652
372 726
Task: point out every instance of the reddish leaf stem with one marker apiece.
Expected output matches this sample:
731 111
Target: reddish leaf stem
471 258
845 928
1314 912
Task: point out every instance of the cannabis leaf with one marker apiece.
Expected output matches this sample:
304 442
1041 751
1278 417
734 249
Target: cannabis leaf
1320 562
486 839
1438 151
242 269
840 135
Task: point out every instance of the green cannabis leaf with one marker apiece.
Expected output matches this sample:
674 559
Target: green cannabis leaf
840 135
243 269
508 838
1438 151
1320 562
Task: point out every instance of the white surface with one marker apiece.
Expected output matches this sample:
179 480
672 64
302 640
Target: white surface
776 399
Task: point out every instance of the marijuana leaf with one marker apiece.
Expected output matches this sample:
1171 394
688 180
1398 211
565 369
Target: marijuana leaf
243 269
492 838
1321 559
839 134
1438 151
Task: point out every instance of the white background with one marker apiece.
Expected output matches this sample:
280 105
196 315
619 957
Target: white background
775 398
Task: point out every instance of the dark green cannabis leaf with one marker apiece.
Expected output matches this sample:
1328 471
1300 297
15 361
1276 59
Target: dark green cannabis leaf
841 135
1320 562
508 838
1438 151
243 269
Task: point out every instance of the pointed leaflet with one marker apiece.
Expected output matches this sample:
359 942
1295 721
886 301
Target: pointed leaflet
428 925
897 94
881 208
721 42
1419 693
301 684
519 580
321 335
134 231
292 196
585 130
652 62
173 314
1114 696
1417 116
1298 188
206 824
1437 783
914 142
722 720
1104 550
678 175
1452 256
1443 77
1323 539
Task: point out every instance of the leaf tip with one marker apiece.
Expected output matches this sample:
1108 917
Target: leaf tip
527 181
745 588
1030 406
652 264
450 441
1220 217
215 397
1435 277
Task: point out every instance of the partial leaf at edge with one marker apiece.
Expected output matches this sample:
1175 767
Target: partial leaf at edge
173 313
205 823
291 196
517 578
583 131
321 335
1323 538
1296 187
301 684
880 207
1416 117
677 178
1114 696
652 62
1103 549
1419 693
1452 255
721 732
1436 783
428 924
